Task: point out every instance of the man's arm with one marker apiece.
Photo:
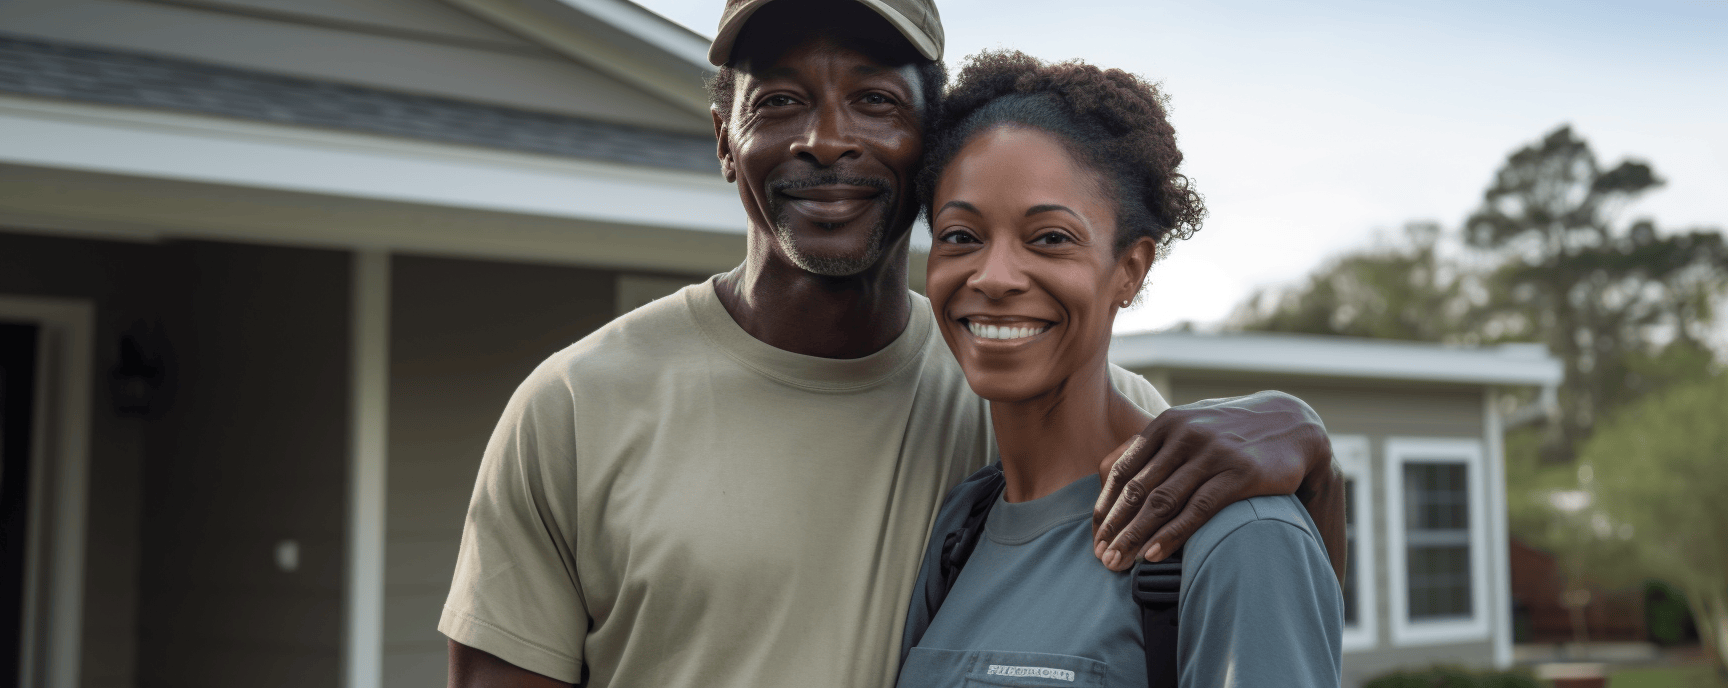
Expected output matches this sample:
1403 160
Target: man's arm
1192 460
471 668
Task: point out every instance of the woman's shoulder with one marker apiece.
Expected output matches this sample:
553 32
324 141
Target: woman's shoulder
1249 525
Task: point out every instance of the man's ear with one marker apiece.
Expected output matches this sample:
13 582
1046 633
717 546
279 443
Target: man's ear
1136 261
722 145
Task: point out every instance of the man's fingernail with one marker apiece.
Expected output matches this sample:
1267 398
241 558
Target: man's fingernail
1098 549
1111 558
1153 552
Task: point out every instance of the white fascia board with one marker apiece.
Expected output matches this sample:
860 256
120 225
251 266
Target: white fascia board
1516 364
197 148
645 25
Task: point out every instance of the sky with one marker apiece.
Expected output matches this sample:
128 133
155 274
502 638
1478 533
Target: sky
1320 127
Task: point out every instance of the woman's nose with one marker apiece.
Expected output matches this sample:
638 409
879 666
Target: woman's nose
1002 275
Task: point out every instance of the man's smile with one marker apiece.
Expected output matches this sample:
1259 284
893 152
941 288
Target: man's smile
831 203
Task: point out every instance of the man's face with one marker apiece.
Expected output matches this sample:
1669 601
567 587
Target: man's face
823 141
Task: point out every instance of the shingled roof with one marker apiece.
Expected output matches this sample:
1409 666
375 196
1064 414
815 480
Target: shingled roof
39 68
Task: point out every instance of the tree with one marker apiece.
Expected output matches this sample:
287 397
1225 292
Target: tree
1657 473
1605 300
1625 307
1392 291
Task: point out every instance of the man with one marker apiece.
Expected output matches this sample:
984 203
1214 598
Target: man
732 486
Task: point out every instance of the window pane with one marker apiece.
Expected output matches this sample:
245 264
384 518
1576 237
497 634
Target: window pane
1439 582
1437 536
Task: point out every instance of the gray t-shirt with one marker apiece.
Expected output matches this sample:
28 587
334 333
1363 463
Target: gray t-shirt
1259 603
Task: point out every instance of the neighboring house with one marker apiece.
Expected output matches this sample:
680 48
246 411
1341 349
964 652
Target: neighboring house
287 259
1419 440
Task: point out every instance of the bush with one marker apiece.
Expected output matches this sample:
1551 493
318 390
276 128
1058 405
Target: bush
1453 677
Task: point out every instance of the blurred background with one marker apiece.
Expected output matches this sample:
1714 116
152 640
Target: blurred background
269 270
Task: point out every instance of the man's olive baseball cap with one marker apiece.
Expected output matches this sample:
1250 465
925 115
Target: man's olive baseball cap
916 19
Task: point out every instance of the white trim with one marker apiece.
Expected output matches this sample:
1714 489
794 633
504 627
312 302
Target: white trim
363 656
646 25
1499 532
212 150
1352 453
1407 450
1350 357
59 490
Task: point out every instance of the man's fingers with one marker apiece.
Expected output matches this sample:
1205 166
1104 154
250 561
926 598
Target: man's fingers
1141 521
1217 493
1116 471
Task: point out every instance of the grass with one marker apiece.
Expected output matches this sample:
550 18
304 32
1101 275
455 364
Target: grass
1667 677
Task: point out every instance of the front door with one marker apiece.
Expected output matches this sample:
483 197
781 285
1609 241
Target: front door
17 395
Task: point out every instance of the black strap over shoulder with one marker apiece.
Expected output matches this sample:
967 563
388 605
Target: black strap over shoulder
957 546
1157 587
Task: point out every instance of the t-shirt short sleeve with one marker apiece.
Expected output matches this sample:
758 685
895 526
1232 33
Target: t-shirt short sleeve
515 593
1256 576
1137 390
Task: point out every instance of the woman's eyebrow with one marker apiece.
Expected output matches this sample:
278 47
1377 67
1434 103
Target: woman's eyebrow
1049 207
968 207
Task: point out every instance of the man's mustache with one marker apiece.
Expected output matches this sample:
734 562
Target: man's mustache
810 181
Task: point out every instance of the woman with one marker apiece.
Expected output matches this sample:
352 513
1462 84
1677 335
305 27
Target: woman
1051 191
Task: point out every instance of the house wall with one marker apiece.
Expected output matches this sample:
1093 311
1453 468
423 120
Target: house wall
464 334
114 277
1377 412
417 46
246 447
251 450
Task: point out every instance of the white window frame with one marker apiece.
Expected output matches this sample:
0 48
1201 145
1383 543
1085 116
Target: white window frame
1352 454
1401 451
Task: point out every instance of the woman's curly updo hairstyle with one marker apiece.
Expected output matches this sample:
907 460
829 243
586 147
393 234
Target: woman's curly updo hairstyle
1112 121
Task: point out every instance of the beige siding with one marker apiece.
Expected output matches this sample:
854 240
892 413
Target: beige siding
464 334
251 451
417 46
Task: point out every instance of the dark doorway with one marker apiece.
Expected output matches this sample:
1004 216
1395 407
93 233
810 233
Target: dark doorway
17 396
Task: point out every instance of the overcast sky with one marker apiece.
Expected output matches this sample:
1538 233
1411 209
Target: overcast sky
1311 126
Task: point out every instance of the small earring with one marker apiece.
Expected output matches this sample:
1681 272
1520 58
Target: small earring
1125 302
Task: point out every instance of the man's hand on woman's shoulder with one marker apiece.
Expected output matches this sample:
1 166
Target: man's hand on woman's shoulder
1192 460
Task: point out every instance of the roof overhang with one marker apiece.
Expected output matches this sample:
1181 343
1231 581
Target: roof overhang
152 174
1338 357
625 40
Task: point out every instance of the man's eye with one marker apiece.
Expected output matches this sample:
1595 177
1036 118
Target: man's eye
777 101
1052 239
877 99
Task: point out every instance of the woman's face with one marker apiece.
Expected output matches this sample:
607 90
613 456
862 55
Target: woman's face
1023 277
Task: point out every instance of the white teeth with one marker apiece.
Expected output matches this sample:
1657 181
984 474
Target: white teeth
1003 331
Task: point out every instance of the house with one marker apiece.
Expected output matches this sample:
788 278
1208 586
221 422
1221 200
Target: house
279 266
1415 430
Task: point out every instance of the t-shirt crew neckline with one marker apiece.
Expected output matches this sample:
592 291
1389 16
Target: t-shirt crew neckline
1017 523
799 370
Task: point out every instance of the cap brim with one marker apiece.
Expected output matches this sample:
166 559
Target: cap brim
720 51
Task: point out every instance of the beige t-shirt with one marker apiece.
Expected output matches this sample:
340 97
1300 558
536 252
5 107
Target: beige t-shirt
672 502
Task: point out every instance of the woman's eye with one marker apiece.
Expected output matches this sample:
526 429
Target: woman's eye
1051 239
957 237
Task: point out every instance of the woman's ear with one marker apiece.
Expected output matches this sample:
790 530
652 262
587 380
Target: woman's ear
1135 262
723 146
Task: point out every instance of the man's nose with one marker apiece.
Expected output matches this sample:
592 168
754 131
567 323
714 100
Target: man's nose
1001 275
828 139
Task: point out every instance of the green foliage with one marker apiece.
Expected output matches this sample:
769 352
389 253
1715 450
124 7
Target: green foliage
1453 677
1666 614
1658 472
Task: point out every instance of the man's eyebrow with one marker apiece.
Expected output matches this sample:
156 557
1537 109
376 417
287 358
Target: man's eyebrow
968 207
1050 207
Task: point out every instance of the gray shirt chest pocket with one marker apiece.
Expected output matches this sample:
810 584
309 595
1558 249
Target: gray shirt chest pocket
932 668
